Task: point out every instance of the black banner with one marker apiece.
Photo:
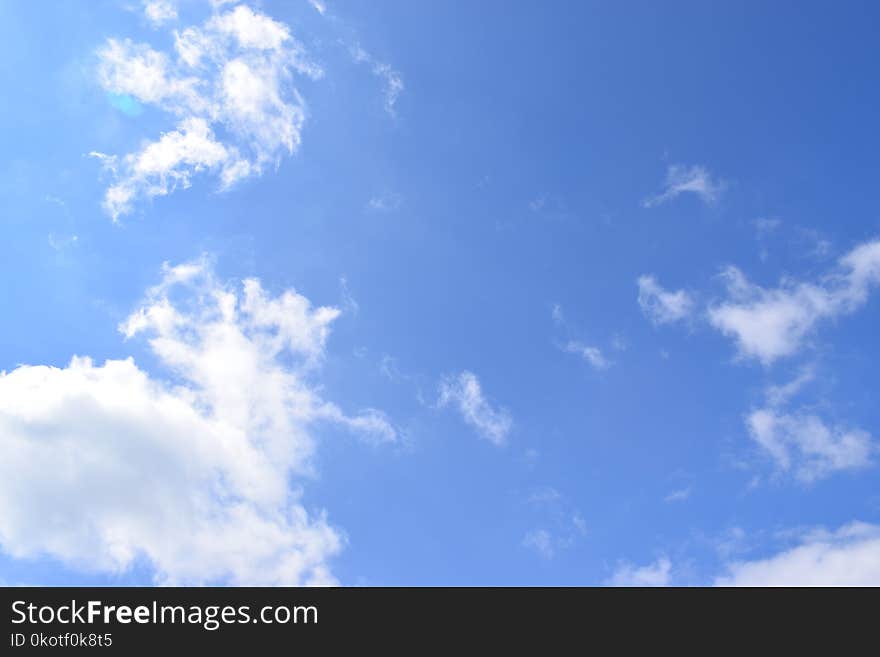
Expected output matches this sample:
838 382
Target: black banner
135 620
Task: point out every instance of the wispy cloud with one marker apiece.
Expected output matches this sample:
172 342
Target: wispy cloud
592 355
541 541
662 306
465 393
319 6
682 179
802 443
679 495
391 79
547 543
387 202
658 573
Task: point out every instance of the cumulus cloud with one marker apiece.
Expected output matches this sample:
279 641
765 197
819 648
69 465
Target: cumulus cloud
464 393
849 556
228 84
684 179
105 466
771 323
658 573
662 306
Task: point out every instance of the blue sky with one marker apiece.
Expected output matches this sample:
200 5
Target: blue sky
439 293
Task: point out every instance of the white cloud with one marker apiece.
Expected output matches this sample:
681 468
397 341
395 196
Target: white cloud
679 495
593 355
160 11
800 442
768 324
779 395
662 306
105 466
385 202
658 573
465 393
545 495
766 225
541 542
548 544
849 556
228 83
62 242
683 179
391 78
349 303
807 446
319 6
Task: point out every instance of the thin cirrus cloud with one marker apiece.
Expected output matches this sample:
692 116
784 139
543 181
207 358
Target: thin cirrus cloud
391 78
679 495
547 544
772 323
562 525
682 179
229 84
464 393
663 306
590 354
190 473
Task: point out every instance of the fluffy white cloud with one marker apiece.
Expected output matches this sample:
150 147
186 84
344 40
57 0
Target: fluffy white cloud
593 355
683 179
105 465
228 83
662 306
770 323
658 573
465 393
807 446
849 556
160 11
